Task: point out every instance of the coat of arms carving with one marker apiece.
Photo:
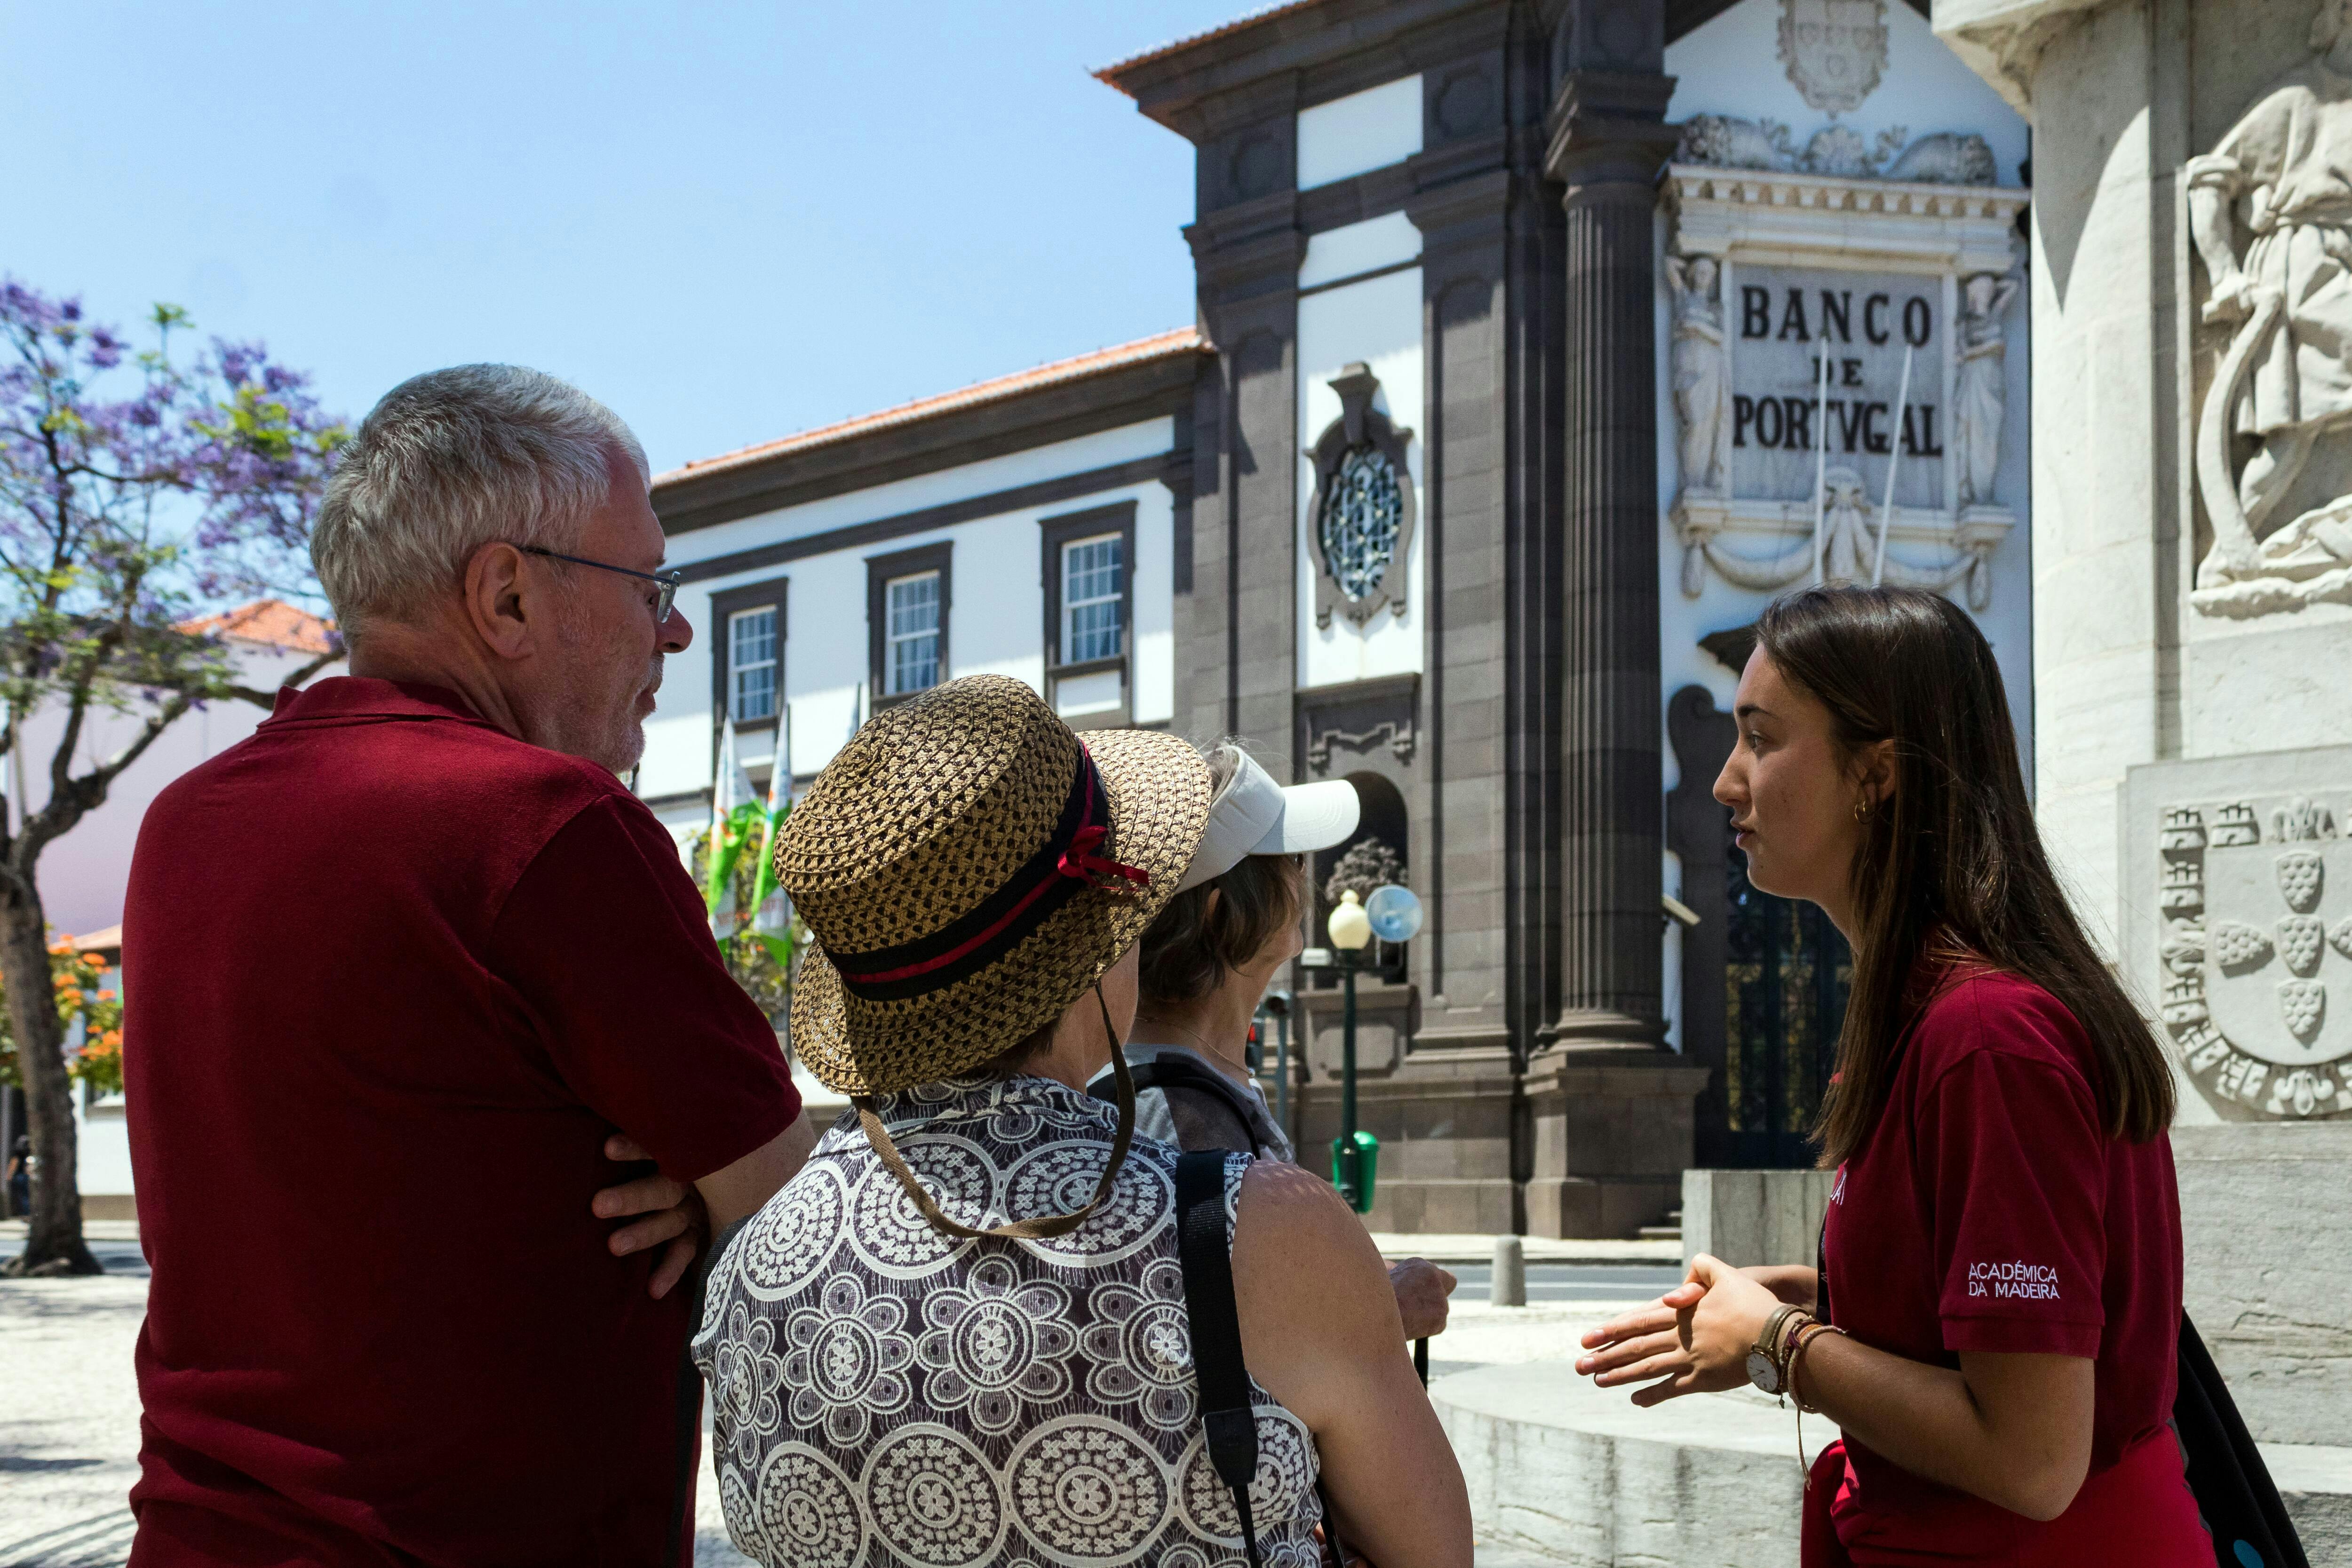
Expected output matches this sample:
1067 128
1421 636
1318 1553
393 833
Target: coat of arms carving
2256 954
1835 50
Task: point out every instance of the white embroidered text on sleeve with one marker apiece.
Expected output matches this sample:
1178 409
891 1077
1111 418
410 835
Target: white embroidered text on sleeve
2016 1281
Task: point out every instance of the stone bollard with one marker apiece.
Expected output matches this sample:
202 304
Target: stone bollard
1508 1285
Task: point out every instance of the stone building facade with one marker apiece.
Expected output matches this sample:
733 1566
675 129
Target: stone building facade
2193 600
1537 345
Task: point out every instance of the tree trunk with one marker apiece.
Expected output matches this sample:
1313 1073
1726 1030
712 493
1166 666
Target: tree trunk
54 1245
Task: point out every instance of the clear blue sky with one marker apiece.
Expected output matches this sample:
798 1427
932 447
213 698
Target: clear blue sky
729 221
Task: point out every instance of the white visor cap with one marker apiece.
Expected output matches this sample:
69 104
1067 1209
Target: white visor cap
1255 816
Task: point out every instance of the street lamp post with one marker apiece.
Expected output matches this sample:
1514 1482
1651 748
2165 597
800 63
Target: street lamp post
1351 930
1392 914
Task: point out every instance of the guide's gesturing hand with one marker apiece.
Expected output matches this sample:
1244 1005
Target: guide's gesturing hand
1695 1338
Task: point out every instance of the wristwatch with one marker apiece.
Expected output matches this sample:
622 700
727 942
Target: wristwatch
1765 1368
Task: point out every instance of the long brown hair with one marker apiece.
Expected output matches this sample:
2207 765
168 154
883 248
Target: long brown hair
1952 856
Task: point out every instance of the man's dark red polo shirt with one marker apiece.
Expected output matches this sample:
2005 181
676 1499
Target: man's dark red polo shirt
392 978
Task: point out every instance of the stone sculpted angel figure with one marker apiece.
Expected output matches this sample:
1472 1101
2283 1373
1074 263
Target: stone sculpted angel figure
1980 385
2283 175
1702 392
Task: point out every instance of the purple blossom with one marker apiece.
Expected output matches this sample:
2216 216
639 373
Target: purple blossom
163 485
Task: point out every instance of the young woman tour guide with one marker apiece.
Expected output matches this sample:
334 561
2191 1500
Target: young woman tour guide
1996 1320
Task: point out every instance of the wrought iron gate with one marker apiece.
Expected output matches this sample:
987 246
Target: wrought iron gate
1785 985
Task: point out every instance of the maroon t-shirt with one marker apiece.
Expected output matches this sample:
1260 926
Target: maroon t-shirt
1989 1210
392 978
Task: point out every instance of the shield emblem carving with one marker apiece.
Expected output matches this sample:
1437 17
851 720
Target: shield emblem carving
2303 1004
2300 873
2238 946
2299 939
2340 939
1835 49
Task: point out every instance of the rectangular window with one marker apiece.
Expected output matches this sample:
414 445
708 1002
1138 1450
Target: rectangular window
909 608
749 636
911 651
1093 599
1087 564
752 660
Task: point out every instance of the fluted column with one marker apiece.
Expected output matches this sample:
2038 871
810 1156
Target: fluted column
1608 144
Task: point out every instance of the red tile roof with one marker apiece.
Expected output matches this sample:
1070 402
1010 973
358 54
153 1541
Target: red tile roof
272 623
1109 73
1161 345
107 941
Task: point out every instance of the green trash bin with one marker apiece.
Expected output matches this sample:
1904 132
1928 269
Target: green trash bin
1356 1171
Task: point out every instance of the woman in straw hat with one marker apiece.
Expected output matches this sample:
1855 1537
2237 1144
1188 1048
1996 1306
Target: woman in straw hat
960 1335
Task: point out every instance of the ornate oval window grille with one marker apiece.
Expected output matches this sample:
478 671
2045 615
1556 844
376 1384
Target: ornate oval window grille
1361 518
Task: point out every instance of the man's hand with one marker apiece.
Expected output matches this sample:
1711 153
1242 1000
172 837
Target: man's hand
1422 1287
672 1212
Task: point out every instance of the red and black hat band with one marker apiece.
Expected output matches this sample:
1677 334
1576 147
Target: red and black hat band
1068 863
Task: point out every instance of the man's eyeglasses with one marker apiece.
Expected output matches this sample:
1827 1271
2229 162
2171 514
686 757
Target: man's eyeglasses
667 582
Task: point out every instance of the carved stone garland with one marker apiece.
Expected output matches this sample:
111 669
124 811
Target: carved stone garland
1363 510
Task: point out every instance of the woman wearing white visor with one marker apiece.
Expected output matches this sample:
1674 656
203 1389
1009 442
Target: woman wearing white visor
1207 960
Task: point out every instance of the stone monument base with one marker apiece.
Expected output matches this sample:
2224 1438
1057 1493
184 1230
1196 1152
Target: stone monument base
2267 1232
1578 1475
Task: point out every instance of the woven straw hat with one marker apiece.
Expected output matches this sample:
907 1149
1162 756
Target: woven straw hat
968 868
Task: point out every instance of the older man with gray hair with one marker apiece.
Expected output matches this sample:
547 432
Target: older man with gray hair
407 970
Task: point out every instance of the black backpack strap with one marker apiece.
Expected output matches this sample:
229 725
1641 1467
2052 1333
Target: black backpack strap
1206 1252
2235 1496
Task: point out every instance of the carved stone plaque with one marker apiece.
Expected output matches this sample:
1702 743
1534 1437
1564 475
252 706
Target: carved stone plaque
1835 50
2252 957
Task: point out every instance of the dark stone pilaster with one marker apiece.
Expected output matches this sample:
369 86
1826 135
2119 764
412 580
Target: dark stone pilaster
1610 1110
1609 140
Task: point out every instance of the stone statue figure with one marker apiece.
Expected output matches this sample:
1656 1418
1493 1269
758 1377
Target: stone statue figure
1980 387
1702 384
2283 177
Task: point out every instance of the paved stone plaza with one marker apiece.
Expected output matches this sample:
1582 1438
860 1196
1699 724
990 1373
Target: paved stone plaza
69 1422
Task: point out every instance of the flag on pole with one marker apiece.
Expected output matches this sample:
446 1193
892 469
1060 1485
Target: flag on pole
771 907
734 807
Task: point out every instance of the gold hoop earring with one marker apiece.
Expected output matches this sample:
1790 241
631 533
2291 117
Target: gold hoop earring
1862 810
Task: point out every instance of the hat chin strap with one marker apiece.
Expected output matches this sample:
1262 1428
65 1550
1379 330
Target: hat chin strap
1020 1229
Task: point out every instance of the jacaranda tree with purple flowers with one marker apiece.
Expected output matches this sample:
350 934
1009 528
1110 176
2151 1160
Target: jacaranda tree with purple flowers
139 485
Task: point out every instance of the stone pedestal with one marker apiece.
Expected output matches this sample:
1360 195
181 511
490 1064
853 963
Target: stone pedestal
2266 1235
1751 1218
1613 1134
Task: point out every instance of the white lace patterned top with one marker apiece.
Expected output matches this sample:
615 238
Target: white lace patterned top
887 1394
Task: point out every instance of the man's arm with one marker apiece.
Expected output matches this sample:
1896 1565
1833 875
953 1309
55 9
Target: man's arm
681 1214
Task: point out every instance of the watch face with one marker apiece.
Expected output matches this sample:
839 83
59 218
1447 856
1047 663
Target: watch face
1762 1373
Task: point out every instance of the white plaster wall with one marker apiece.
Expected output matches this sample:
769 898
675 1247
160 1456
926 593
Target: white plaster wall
1378 321
83 875
2096 563
1731 66
1360 132
1359 247
995 619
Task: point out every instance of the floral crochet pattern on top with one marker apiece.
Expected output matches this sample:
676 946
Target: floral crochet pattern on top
885 1394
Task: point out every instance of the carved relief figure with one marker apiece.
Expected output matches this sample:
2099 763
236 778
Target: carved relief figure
1702 392
2282 178
1981 385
